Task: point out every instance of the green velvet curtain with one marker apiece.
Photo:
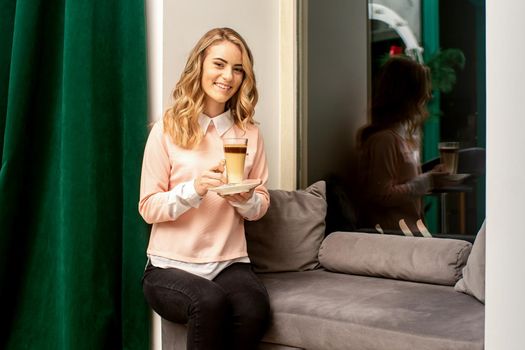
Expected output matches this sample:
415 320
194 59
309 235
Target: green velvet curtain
73 123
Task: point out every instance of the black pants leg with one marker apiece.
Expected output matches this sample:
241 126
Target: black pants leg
250 305
230 312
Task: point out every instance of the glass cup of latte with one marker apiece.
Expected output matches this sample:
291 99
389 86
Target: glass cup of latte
449 155
235 155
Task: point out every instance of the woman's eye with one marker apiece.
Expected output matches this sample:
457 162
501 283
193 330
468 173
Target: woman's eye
219 64
238 70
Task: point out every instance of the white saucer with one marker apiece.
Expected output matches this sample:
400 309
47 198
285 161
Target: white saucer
456 178
244 186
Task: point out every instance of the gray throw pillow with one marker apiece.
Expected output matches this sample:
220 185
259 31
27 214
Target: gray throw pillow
288 237
418 259
473 281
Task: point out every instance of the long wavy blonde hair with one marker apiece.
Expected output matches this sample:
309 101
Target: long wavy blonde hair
181 120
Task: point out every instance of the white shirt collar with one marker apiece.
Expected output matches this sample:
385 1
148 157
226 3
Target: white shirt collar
223 122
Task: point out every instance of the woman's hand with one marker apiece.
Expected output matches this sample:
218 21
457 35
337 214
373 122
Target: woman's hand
241 198
439 173
210 178
441 169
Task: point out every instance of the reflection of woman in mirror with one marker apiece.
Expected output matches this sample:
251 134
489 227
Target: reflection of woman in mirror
198 270
390 171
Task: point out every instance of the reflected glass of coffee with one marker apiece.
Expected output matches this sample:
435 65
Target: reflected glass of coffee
449 155
235 155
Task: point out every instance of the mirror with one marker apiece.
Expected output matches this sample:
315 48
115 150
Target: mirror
449 37
342 43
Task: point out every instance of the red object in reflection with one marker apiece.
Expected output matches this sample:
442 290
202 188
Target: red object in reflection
395 50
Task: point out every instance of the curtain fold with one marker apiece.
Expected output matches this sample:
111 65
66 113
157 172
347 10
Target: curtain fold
73 124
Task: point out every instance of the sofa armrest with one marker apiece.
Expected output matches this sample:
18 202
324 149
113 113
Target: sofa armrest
463 237
418 259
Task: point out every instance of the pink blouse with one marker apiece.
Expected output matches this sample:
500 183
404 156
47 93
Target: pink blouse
209 229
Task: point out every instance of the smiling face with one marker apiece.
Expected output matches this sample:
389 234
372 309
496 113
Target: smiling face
222 75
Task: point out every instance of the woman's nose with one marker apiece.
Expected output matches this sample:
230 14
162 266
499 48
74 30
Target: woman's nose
227 74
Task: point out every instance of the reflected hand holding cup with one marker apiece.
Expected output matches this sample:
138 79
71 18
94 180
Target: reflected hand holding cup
439 176
441 169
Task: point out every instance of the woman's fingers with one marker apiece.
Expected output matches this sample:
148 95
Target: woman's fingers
440 168
212 177
242 197
216 173
212 180
219 168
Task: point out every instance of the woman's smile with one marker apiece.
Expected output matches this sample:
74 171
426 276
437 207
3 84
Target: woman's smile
223 86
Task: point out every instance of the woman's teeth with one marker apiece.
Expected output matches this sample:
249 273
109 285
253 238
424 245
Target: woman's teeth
223 86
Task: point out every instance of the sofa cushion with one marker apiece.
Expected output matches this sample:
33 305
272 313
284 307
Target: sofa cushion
288 237
430 260
325 310
473 280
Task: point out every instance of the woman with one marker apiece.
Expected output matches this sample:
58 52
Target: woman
391 178
198 269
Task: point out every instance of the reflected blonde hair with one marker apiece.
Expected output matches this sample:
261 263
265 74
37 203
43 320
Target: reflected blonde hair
181 120
400 97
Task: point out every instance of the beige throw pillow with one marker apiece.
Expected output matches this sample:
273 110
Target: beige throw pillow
473 281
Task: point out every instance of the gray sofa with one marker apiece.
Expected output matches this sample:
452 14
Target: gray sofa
360 291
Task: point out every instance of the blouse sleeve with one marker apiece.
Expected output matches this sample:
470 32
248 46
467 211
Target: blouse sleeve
259 170
157 202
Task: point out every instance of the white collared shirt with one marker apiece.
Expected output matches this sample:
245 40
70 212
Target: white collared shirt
223 122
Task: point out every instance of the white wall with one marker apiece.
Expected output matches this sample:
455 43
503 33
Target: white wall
258 22
154 9
505 295
174 26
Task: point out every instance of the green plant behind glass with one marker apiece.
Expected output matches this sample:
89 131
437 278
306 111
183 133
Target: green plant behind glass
443 65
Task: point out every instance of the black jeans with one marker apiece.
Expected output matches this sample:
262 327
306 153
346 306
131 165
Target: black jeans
230 312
